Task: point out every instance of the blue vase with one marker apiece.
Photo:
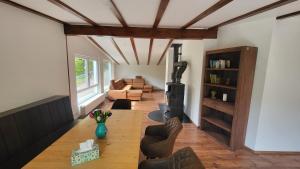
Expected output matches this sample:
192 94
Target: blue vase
101 130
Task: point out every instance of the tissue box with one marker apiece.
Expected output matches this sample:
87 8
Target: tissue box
82 157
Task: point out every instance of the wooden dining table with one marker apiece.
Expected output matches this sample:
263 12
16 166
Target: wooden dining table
118 150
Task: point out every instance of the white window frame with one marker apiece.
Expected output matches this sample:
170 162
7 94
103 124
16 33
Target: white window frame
107 62
89 83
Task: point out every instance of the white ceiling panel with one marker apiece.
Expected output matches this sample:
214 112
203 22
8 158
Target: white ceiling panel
106 43
97 10
159 46
50 9
286 9
138 12
179 12
142 47
125 46
232 10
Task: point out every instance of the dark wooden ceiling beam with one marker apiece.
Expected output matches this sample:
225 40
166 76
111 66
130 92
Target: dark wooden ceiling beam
118 14
121 19
164 53
255 12
134 50
162 33
288 15
150 51
119 50
73 11
14 4
102 49
160 13
202 15
207 12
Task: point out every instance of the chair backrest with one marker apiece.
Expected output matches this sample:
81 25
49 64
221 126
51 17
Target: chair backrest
186 159
172 128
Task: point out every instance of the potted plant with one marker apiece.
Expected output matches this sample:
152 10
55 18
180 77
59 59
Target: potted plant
100 117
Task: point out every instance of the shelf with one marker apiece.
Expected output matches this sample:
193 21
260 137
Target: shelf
221 86
219 105
218 136
225 69
219 123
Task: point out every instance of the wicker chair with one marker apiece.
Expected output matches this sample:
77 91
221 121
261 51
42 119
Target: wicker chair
159 140
182 159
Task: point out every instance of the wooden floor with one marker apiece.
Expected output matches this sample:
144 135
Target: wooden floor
212 154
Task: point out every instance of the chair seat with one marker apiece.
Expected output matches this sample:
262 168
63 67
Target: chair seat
148 140
159 140
182 159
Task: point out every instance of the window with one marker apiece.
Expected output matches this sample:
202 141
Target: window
87 81
107 75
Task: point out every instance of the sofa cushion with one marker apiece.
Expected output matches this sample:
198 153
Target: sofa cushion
147 86
119 84
127 87
117 94
138 85
128 81
138 81
134 93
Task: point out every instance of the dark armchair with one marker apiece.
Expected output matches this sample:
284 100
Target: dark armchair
182 159
159 139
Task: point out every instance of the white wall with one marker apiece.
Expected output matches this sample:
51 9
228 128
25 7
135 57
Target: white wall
169 67
81 46
193 53
33 60
249 33
279 125
274 112
153 74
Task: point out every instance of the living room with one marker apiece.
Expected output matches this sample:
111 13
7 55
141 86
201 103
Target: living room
217 81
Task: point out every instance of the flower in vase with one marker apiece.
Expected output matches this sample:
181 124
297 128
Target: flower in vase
100 116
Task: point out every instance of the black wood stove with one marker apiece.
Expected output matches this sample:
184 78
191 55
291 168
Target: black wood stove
175 92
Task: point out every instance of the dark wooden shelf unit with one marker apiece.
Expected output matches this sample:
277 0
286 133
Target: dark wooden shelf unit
219 105
221 86
218 122
225 69
227 121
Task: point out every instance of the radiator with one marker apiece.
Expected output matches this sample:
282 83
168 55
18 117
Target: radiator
91 104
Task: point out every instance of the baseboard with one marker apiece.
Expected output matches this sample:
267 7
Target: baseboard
272 152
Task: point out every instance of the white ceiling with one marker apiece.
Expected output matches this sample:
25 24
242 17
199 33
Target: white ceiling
179 12
50 9
230 11
97 10
138 12
143 12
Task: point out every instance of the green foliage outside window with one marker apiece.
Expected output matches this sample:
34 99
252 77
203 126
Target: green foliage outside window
79 66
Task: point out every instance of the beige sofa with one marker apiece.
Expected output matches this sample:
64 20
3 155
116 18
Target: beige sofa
122 89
